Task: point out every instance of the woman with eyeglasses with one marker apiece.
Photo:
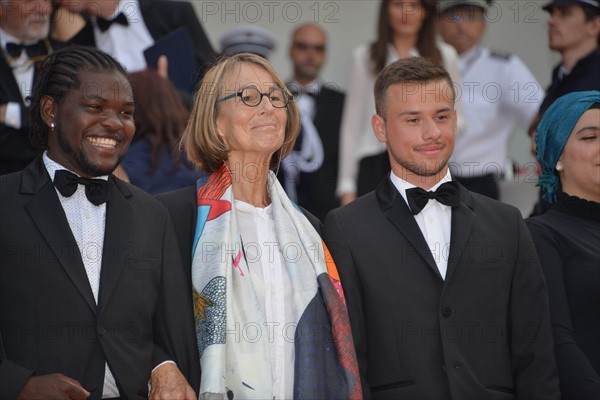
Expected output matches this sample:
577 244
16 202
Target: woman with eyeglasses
270 315
406 28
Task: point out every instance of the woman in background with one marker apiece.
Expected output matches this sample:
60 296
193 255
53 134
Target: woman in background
567 237
152 161
406 28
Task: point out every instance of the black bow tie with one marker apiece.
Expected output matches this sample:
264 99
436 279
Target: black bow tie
32 50
96 190
104 24
446 194
298 93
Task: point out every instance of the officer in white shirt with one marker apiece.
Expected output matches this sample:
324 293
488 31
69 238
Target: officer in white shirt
499 93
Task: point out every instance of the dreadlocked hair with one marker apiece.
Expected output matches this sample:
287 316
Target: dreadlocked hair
58 74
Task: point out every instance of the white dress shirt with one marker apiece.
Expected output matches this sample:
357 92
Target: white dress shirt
357 139
87 223
126 43
309 158
434 220
273 289
22 69
499 93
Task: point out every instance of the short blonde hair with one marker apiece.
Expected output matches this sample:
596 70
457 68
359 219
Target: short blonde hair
203 146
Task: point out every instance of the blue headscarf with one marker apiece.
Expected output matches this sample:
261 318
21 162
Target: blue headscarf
554 131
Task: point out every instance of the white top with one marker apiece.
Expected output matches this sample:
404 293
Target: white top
434 220
499 92
126 43
357 139
273 289
87 222
22 69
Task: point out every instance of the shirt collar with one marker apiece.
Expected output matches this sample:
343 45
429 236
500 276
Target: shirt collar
52 166
402 186
468 58
394 56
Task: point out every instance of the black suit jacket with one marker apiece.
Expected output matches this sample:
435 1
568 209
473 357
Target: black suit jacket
162 17
316 191
16 151
584 76
482 333
49 321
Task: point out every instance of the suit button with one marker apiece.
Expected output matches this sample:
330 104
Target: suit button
447 311
457 365
102 332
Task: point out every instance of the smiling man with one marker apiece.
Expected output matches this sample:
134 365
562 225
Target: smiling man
443 286
94 299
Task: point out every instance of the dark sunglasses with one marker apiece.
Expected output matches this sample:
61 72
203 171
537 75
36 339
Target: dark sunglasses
319 48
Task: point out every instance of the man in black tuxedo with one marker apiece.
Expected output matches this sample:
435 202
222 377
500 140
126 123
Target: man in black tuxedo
124 29
311 180
444 289
94 298
24 42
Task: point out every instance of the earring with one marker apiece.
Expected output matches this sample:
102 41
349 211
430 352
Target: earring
52 126
559 166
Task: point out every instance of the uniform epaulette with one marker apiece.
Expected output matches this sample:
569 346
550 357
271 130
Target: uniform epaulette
500 54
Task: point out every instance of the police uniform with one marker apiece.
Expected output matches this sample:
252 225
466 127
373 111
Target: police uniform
499 92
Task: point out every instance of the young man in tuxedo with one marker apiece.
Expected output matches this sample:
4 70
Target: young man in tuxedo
443 286
24 27
94 299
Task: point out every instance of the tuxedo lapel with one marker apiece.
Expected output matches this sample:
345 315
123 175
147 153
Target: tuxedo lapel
49 217
155 23
463 218
117 238
397 212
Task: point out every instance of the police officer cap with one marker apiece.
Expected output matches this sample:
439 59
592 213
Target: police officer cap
446 5
248 39
593 4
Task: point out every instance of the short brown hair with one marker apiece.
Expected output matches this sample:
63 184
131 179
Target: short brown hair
417 70
203 146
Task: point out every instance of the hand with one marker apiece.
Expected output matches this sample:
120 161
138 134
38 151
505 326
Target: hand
162 67
55 386
169 383
347 198
3 108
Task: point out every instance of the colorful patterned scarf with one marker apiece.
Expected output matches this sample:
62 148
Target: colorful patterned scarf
554 131
225 302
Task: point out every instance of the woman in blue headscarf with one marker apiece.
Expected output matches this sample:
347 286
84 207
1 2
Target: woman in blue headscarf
568 237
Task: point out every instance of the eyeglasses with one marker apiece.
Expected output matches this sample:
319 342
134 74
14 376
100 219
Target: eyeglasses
319 48
252 97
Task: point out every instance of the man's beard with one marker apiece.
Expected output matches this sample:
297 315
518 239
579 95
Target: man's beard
80 160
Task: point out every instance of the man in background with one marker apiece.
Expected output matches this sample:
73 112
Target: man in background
311 170
574 32
499 93
24 27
